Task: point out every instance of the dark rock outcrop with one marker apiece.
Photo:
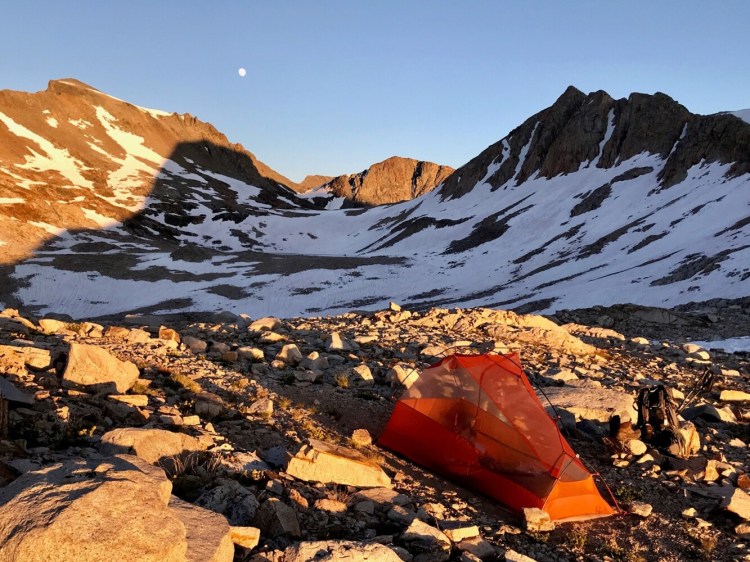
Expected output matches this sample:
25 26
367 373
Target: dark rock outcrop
579 130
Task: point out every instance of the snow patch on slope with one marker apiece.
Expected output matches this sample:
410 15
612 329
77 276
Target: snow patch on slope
743 114
100 220
524 152
80 123
52 229
51 158
607 136
132 171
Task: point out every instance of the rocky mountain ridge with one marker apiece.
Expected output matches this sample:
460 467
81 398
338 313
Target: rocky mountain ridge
229 431
72 157
393 180
593 201
311 182
581 130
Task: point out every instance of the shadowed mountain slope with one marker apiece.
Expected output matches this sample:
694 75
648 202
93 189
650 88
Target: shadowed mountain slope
579 131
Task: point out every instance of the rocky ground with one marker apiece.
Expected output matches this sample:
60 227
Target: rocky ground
251 439
716 319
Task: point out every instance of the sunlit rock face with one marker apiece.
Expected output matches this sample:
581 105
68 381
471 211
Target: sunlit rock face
390 181
72 157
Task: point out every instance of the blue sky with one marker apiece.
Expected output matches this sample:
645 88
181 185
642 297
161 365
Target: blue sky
334 86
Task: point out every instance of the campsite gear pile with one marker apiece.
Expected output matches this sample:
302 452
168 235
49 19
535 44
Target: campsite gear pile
658 418
476 419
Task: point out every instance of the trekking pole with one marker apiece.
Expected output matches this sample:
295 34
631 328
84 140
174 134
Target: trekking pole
593 472
703 384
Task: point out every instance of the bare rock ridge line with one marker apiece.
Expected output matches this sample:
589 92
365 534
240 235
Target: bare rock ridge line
580 130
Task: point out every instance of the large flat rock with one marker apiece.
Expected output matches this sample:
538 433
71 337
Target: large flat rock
323 462
91 511
597 404
95 369
738 502
149 444
209 537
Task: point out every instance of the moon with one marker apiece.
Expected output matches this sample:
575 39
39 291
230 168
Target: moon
241 71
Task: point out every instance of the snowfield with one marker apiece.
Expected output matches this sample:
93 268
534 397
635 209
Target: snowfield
330 261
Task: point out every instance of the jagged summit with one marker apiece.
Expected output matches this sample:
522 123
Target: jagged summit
580 130
68 84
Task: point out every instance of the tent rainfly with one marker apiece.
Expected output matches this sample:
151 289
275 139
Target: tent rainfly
476 419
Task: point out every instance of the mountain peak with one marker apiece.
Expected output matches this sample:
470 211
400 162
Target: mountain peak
394 179
98 158
70 85
570 95
310 181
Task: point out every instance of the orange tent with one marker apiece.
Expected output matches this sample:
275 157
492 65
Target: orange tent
476 419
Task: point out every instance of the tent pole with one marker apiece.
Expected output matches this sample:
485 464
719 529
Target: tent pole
594 473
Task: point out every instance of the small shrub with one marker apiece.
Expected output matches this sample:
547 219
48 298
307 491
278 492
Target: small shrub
373 455
76 327
708 545
141 388
627 494
239 384
539 537
620 553
577 538
312 430
177 380
200 463
340 494
341 380
190 472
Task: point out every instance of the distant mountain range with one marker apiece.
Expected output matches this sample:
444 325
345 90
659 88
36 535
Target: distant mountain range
106 208
310 182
